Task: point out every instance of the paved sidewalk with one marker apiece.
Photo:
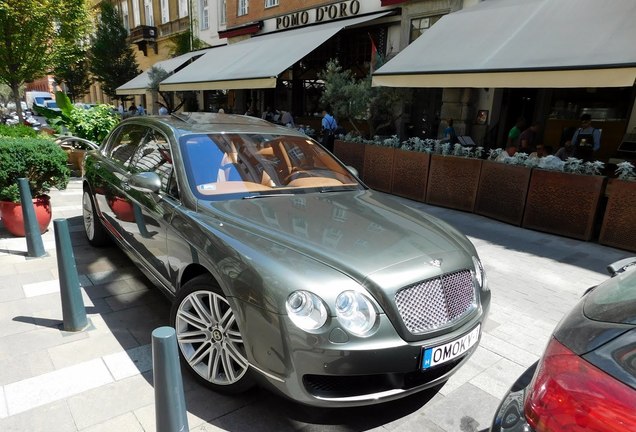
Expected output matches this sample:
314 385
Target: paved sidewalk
101 379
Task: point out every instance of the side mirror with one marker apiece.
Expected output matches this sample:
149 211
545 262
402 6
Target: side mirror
620 266
353 171
146 182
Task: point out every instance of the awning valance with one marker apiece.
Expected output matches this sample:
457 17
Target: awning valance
256 62
140 84
522 43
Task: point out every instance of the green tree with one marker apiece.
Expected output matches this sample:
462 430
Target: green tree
25 42
350 98
112 60
70 59
185 42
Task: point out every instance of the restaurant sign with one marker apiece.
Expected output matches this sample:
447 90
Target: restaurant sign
320 14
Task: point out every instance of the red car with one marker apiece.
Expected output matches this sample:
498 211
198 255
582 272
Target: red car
586 378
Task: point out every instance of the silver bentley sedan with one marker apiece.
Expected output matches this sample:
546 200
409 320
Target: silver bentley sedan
283 268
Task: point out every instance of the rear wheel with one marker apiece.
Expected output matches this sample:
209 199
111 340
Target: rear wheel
209 338
95 231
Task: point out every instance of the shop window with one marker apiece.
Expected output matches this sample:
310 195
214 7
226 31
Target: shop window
242 7
271 3
420 25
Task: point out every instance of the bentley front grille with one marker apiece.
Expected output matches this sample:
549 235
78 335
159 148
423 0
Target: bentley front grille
434 303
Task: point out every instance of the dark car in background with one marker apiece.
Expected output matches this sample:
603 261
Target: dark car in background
282 267
586 378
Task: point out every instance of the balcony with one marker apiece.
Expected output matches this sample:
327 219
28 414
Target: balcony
143 37
173 27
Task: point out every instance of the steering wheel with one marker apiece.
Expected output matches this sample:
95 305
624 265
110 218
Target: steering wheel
296 173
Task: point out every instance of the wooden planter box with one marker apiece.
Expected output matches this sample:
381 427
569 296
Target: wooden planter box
453 182
378 166
410 174
619 220
562 203
351 153
502 191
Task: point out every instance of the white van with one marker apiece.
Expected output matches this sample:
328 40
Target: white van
36 99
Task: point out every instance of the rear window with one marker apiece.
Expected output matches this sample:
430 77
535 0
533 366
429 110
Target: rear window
614 300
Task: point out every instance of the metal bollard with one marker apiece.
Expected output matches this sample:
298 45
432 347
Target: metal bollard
73 311
170 407
35 247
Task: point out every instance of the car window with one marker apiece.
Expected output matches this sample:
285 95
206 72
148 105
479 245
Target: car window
154 155
222 164
121 149
614 300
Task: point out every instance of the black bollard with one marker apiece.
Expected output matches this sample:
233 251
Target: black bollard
170 407
35 247
73 311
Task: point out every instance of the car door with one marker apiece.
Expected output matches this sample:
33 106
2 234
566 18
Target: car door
152 212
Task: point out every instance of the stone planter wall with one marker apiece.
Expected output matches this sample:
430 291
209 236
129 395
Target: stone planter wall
351 153
410 174
619 220
378 167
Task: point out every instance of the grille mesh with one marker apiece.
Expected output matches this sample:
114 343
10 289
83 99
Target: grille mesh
434 303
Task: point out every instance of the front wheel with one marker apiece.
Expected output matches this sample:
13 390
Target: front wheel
209 338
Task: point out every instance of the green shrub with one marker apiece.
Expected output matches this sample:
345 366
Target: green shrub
40 160
92 124
17 131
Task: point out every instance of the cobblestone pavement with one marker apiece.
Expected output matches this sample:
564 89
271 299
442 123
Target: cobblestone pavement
100 379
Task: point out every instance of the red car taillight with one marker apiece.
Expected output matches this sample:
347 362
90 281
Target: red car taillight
569 394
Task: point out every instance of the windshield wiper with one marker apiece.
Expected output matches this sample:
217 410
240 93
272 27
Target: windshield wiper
268 195
338 189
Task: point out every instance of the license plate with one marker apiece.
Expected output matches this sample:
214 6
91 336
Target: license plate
451 350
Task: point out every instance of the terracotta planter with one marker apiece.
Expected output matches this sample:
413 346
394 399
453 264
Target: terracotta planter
453 182
410 174
378 166
562 203
13 219
619 220
351 153
502 191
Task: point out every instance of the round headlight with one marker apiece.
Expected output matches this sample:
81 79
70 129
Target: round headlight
355 312
306 310
480 276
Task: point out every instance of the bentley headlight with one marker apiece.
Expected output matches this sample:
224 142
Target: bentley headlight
306 310
355 312
480 276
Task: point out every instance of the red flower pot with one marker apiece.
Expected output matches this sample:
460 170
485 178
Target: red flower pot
14 221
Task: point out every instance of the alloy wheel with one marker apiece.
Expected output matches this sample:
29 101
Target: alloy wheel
209 338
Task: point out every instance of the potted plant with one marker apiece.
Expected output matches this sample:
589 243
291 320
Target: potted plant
43 163
565 202
454 177
618 228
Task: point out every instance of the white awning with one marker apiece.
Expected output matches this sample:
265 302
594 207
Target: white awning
141 82
522 43
256 62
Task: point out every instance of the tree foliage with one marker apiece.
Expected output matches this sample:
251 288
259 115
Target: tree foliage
70 59
350 98
182 41
113 62
25 43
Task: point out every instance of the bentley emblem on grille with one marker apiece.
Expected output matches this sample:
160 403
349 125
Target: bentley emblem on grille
436 262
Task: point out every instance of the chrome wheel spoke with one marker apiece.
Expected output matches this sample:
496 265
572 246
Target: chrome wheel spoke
198 356
201 310
193 320
197 336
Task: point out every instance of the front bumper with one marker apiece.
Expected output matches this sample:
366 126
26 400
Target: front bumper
327 370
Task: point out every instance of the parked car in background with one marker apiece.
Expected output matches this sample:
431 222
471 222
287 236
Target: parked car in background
283 268
36 99
586 378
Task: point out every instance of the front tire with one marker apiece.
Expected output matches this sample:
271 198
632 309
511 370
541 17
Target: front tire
209 338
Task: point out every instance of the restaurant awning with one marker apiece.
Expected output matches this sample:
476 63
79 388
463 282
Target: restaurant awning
256 62
522 43
141 82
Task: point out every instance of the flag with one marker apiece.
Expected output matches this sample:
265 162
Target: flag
374 54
